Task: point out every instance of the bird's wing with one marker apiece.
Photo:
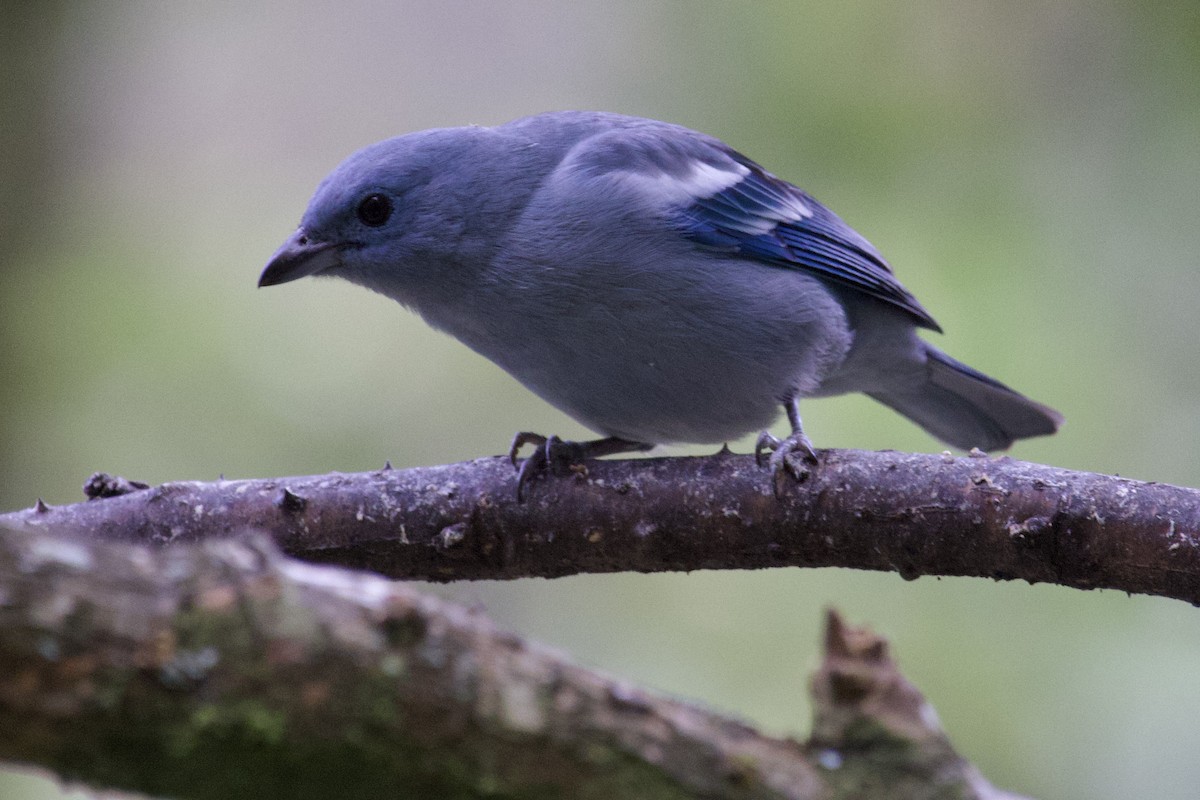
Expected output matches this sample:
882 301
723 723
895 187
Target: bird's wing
725 202
768 219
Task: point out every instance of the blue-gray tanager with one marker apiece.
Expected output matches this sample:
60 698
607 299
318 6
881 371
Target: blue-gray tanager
647 279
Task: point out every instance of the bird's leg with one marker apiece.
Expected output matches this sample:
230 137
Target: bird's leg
556 455
779 461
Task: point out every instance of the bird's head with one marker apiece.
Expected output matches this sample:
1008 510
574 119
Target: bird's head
398 216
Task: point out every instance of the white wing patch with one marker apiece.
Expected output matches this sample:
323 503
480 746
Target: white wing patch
703 180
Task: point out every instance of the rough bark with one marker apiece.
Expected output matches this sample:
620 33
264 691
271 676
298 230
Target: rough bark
227 670
910 513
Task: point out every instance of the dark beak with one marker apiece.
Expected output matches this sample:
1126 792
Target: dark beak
299 256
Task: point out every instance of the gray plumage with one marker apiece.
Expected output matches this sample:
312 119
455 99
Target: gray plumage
644 278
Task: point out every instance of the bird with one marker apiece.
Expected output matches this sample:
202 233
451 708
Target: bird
648 280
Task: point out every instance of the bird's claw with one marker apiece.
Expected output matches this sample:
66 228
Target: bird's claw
521 439
783 460
539 460
551 454
766 444
561 457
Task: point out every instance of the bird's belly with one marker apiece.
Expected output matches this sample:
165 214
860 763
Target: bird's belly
661 397
687 365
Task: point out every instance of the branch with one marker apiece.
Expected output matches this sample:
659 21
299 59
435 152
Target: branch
914 514
226 670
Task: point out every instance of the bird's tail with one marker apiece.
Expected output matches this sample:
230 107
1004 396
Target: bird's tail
965 408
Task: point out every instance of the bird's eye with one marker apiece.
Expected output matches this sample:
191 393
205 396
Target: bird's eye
375 209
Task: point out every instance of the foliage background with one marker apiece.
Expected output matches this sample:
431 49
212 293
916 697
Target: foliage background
1031 170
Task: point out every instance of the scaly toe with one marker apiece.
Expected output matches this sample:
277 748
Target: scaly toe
530 469
766 443
782 462
520 440
551 455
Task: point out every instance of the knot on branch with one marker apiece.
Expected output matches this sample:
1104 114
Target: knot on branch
101 485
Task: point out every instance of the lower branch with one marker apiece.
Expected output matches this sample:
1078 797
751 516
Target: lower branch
911 513
227 670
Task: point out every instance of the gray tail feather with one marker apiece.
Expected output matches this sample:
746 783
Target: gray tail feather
965 408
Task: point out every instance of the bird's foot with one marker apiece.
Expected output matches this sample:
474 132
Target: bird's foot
550 454
790 456
561 457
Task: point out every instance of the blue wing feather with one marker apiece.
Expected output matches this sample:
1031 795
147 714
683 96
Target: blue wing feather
767 219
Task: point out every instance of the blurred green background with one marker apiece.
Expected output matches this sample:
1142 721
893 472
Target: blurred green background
1031 170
